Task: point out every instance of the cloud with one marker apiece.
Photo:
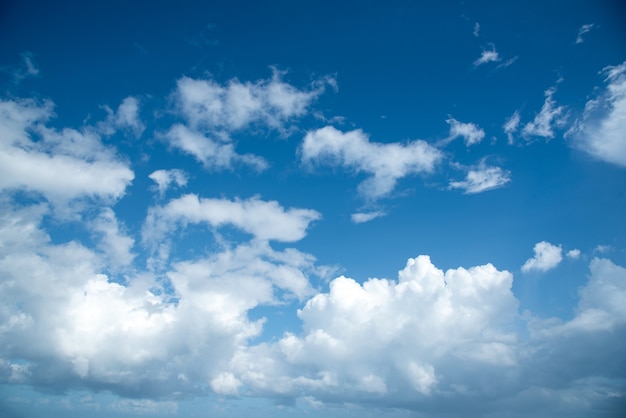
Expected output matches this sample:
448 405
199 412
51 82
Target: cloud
476 29
207 105
266 220
482 178
114 242
487 56
213 155
547 257
126 117
511 125
385 162
362 217
470 132
163 179
601 130
583 30
60 165
547 119
573 254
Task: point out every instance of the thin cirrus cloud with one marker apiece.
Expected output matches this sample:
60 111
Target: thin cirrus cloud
362 217
549 117
582 31
386 163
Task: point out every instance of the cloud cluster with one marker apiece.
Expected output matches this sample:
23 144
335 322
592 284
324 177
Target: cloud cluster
214 112
60 165
385 162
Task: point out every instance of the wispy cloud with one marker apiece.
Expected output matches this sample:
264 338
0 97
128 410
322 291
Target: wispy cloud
482 178
476 29
511 125
488 55
362 217
163 179
549 117
470 132
583 30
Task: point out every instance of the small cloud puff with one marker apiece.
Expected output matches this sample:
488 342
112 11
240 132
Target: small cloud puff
547 257
362 217
583 30
482 178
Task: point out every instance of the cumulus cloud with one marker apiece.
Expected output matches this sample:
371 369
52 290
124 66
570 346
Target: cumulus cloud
213 154
547 257
487 56
583 30
60 165
163 179
125 117
573 254
385 162
265 220
206 104
482 178
362 217
470 132
601 130
547 119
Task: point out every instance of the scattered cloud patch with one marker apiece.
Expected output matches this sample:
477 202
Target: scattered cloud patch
583 30
470 132
385 162
573 254
362 217
488 55
476 29
511 125
482 178
601 130
547 257
164 178
126 117
547 119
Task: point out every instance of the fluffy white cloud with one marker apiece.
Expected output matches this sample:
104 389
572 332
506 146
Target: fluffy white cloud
583 30
602 130
547 119
470 132
547 256
126 117
163 179
213 154
487 56
114 242
206 104
482 178
266 220
573 254
362 217
60 165
386 162
511 125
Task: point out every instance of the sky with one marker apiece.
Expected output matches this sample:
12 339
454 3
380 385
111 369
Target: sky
326 209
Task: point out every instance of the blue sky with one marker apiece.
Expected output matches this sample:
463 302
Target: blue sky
312 208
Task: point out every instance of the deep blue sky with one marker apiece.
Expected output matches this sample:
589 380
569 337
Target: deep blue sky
186 186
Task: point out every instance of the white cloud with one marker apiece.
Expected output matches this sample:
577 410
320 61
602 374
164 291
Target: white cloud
206 104
511 125
114 242
573 254
214 155
163 179
470 132
476 29
547 257
362 217
482 178
386 162
487 56
547 119
601 132
61 165
266 220
144 406
126 117
583 30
